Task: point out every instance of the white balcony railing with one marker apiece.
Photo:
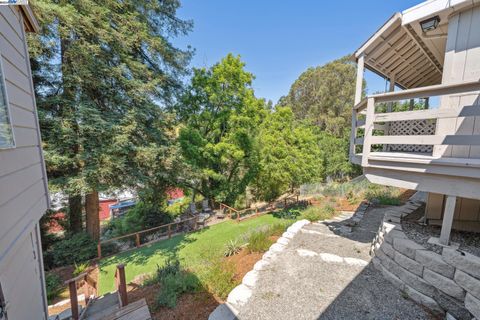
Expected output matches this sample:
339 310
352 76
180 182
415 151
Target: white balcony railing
415 129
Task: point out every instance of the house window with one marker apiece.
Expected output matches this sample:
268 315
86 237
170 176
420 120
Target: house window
6 132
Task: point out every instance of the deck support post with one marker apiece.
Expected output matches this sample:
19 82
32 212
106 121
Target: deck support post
447 220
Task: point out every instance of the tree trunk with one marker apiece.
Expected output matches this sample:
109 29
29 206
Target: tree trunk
92 207
75 213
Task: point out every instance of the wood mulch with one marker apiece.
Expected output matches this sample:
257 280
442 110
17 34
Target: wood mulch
196 305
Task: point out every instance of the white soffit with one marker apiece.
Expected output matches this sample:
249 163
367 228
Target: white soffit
434 7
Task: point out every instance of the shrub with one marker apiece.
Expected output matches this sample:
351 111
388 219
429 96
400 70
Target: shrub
178 208
74 248
258 241
277 229
232 247
318 213
291 213
174 281
80 268
140 217
54 286
219 275
383 195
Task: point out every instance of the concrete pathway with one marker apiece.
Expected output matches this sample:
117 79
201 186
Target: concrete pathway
325 272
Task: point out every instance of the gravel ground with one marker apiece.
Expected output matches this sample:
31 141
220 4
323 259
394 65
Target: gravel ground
468 241
297 286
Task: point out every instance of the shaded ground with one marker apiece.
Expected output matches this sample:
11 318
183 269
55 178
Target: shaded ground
420 233
311 279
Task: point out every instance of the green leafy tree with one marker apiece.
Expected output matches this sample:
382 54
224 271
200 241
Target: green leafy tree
325 95
289 155
101 69
221 116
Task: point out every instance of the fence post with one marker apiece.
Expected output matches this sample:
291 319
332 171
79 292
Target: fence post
169 231
122 285
86 291
256 210
99 250
238 216
72 287
137 239
195 226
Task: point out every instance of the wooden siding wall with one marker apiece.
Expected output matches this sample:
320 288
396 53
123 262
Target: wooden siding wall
462 63
23 188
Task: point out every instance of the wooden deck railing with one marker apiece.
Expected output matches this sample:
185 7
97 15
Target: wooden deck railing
365 118
121 285
89 285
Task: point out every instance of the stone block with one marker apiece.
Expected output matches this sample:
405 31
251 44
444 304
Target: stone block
409 264
424 300
239 295
453 306
394 280
467 282
434 262
393 234
406 247
404 275
388 250
250 279
462 260
444 284
473 305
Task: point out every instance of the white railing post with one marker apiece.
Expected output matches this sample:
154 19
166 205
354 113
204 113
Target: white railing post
353 134
368 130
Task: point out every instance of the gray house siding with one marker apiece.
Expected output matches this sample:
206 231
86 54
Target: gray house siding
23 184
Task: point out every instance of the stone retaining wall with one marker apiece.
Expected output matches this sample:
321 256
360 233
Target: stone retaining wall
449 282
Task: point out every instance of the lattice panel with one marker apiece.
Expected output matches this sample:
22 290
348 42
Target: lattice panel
412 128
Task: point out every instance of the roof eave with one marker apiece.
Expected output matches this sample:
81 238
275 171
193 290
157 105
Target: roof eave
31 23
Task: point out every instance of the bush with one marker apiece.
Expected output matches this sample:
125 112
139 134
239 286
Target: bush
73 249
140 217
277 229
383 195
219 275
54 286
80 268
178 208
318 213
291 213
232 247
258 241
173 282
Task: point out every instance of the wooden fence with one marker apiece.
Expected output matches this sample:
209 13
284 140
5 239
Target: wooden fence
140 238
89 286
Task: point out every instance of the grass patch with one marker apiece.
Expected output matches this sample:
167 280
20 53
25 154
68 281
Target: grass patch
195 251
54 286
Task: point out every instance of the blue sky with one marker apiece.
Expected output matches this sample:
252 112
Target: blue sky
279 39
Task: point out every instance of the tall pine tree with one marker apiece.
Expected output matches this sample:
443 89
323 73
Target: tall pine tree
101 69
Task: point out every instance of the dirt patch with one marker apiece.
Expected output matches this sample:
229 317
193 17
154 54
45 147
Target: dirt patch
196 305
339 204
406 194
243 262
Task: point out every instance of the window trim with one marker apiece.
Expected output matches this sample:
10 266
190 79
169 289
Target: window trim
8 109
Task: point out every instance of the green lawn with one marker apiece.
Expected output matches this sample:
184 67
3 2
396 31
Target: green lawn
191 249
